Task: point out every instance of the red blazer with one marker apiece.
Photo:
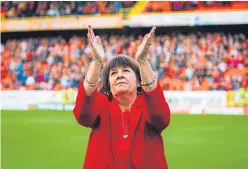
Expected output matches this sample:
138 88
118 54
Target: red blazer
149 116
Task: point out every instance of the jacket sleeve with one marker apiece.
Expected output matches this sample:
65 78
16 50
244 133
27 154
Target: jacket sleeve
158 110
87 108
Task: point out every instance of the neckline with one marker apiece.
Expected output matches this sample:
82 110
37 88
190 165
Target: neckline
140 99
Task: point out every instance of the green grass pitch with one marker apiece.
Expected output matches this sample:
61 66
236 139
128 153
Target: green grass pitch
53 140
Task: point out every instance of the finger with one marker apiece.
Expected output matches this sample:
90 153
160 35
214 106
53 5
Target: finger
92 32
98 40
144 39
150 36
146 36
91 36
91 45
89 31
148 41
90 41
152 32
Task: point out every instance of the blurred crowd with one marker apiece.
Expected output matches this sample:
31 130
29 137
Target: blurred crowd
209 61
169 6
14 9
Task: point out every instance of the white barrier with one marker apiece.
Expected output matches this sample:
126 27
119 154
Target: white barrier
188 19
224 110
193 102
198 98
16 99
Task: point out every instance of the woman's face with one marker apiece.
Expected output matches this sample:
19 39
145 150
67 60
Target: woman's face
122 80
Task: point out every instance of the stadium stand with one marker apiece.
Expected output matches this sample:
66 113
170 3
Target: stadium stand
210 61
194 6
197 61
15 9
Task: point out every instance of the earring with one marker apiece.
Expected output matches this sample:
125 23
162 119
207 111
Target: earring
139 90
109 93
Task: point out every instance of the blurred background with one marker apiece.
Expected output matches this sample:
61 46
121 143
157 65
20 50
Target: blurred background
200 54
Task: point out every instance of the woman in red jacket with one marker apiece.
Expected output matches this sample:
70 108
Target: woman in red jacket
127 116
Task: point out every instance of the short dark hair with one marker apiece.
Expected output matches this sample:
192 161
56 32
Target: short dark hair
119 61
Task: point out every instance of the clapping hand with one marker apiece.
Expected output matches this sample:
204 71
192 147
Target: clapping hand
96 45
141 53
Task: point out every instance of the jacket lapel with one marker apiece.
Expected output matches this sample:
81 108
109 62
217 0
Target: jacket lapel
106 139
115 123
135 115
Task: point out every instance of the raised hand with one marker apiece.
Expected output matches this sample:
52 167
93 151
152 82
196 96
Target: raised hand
141 53
96 45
